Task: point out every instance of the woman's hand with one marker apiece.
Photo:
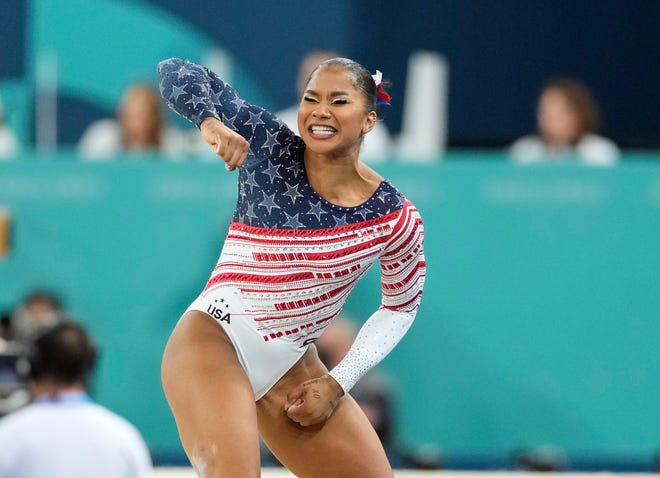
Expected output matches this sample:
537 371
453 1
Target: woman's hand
314 401
230 146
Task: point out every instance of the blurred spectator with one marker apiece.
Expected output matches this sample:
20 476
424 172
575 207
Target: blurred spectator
372 391
63 433
567 122
374 395
8 141
377 143
38 311
541 458
139 128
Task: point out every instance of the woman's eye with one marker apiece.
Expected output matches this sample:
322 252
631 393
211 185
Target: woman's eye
310 99
340 101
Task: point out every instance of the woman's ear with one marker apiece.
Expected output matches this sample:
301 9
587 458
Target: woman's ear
369 122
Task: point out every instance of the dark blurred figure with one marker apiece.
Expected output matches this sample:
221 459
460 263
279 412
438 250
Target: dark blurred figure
36 312
374 395
63 433
540 458
372 392
139 128
567 121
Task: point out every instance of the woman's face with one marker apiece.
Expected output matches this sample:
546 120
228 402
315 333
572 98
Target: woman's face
558 122
332 116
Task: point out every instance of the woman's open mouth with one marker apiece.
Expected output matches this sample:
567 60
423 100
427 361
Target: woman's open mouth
322 131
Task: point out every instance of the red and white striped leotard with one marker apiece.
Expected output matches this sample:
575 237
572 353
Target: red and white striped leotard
291 258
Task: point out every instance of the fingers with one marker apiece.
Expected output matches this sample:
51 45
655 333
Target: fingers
230 146
295 406
294 398
292 405
306 416
306 406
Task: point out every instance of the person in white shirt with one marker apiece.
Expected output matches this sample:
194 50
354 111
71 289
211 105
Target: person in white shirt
63 433
140 128
567 122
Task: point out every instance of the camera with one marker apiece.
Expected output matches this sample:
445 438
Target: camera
13 389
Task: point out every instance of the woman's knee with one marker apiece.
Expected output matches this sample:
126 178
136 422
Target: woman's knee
211 399
210 461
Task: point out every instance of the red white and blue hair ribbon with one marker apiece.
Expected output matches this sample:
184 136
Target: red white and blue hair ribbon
382 98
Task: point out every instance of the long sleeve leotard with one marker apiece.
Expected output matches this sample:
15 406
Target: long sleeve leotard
294 256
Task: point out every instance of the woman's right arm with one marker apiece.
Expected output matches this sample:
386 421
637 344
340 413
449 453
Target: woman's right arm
198 94
191 90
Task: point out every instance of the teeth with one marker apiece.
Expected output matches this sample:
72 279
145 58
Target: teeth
322 129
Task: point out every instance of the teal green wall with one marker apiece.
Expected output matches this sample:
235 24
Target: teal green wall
105 45
539 322
102 47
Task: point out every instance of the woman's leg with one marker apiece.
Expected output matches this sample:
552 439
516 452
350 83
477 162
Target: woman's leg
344 446
211 399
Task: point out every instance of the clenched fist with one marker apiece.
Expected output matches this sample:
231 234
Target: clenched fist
230 146
314 401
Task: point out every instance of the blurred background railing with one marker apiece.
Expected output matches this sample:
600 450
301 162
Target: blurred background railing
538 325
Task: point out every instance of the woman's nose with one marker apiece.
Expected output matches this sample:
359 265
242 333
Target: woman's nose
321 111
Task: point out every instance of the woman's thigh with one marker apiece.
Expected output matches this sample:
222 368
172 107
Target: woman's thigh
211 399
344 446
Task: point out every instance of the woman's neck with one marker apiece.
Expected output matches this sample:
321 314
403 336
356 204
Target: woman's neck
344 181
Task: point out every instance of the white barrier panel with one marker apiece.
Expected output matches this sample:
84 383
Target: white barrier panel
424 125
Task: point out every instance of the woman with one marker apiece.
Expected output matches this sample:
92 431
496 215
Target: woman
567 122
139 129
309 222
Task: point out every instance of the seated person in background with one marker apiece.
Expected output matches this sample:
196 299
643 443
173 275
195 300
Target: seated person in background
63 433
8 141
373 393
567 122
377 144
139 128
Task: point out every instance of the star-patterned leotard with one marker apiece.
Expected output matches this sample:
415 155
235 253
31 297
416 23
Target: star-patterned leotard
291 258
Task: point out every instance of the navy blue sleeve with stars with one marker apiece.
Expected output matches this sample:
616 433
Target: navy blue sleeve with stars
197 93
273 190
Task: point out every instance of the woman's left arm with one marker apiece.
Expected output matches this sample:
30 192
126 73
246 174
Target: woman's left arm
403 270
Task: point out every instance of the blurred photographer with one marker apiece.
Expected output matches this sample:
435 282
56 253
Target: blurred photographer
38 311
63 433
